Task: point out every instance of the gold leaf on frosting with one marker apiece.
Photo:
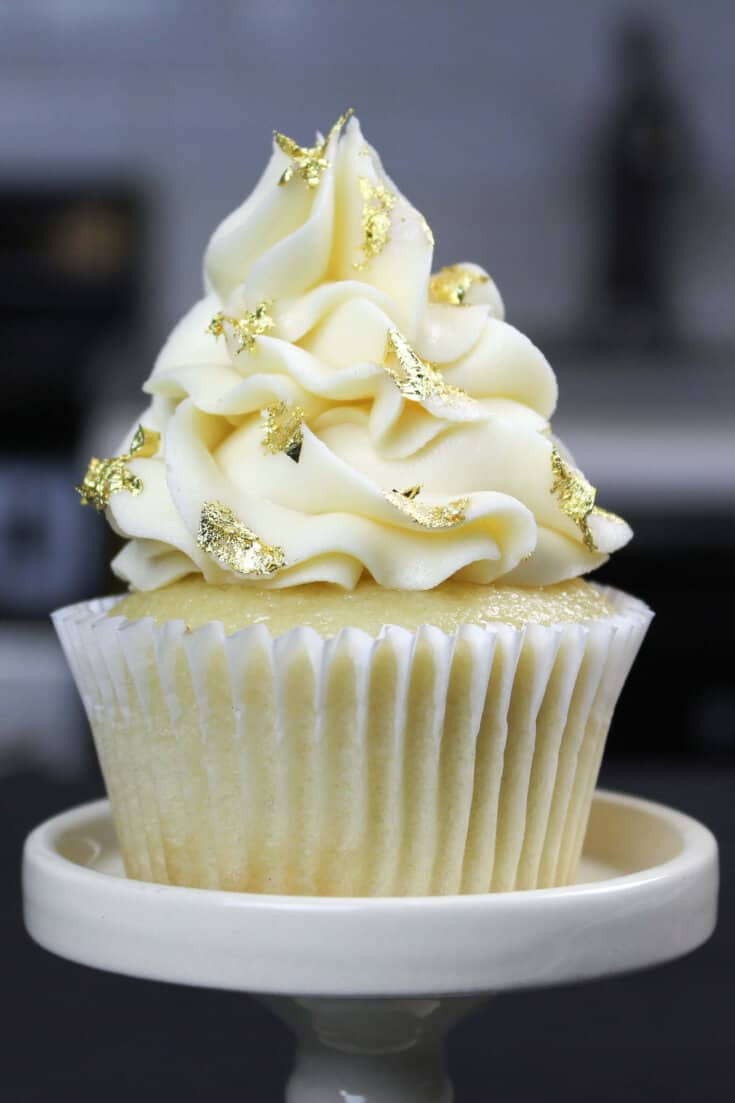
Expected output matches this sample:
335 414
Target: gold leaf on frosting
377 206
451 284
223 536
428 516
145 443
106 477
244 329
415 378
283 429
308 162
575 495
411 492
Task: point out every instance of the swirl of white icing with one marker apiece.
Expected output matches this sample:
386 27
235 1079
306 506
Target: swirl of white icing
476 440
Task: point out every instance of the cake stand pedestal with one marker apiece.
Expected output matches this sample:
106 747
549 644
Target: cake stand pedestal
370 986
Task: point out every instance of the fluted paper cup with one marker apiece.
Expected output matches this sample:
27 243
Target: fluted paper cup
411 763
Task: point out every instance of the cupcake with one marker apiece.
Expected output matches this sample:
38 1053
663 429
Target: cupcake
358 657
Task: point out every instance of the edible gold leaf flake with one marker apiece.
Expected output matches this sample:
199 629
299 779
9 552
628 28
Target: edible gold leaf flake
576 496
451 284
283 429
415 378
217 326
410 493
106 477
377 205
429 516
145 443
234 545
308 162
244 330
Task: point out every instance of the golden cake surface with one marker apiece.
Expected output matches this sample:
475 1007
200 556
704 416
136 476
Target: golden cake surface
328 609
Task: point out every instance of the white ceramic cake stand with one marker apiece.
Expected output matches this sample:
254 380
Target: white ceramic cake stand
370 986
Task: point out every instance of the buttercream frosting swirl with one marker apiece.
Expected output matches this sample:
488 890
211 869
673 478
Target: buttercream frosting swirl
347 410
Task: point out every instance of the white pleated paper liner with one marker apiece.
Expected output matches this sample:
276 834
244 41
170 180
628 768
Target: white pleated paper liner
412 763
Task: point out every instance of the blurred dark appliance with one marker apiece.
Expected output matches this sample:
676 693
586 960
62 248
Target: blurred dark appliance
647 160
70 281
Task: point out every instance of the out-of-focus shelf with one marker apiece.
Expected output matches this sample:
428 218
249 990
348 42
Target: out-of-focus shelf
685 467
652 433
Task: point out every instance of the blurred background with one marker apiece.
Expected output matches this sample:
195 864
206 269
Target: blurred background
584 154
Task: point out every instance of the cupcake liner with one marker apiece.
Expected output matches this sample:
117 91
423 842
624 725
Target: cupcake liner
410 763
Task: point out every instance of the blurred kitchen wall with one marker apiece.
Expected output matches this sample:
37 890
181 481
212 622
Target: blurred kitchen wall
484 114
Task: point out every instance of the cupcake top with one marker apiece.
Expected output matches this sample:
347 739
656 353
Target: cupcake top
331 409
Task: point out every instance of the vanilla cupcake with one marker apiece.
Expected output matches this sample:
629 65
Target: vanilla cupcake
358 658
